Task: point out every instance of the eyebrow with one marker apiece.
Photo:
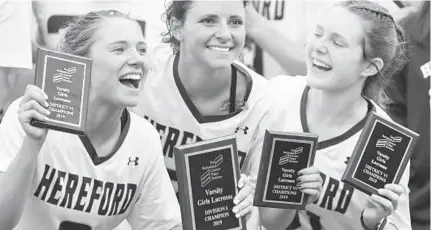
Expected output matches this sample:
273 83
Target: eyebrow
125 43
335 33
216 16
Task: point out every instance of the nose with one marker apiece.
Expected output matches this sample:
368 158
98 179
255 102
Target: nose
320 47
223 33
135 59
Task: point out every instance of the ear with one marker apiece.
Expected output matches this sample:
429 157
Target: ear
175 25
370 67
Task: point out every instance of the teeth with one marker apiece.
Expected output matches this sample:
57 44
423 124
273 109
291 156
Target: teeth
321 64
219 49
131 77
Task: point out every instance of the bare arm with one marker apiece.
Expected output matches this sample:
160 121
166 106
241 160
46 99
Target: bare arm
310 182
287 53
276 219
18 151
16 181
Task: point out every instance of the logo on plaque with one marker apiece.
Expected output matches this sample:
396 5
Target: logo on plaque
388 142
290 156
380 156
64 75
212 171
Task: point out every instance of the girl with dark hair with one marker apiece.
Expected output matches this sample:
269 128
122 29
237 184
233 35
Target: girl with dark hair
198 91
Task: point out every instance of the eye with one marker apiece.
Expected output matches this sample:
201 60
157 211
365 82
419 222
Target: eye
237 22
142 51
339 43
118 50
318 34
208 21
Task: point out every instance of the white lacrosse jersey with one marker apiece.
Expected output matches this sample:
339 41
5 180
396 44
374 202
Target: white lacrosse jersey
52 16
339 206
166 105
74 189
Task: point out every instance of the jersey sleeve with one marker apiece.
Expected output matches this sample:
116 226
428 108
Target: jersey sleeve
279 94
11 136
401 217
157 208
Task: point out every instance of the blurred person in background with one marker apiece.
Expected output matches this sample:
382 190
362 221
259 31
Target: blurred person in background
15 46
52 15
410 107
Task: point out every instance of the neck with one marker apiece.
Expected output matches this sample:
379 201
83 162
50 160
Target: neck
337 107
103 121
202 81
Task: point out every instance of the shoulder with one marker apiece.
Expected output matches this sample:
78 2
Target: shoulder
242 68
285 93
143 139
287 86
380 111
255 82
141 127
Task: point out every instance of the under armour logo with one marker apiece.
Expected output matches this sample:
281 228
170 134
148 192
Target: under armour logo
64 75
388 142
347 160
244 130
134 161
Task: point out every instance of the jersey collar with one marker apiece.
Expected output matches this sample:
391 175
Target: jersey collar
190 105
125 124
338 139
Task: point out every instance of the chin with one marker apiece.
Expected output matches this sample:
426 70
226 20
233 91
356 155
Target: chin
219 61
317 82
129 103
220 64
129 99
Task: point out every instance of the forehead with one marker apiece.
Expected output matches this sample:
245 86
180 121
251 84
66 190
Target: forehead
341 21
118 29
220 8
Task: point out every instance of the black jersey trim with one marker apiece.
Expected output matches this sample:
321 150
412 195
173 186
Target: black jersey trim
190 105
338 139
125 125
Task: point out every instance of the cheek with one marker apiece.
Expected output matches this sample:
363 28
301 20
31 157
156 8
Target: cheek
105 72
309 44
346 59
239 35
